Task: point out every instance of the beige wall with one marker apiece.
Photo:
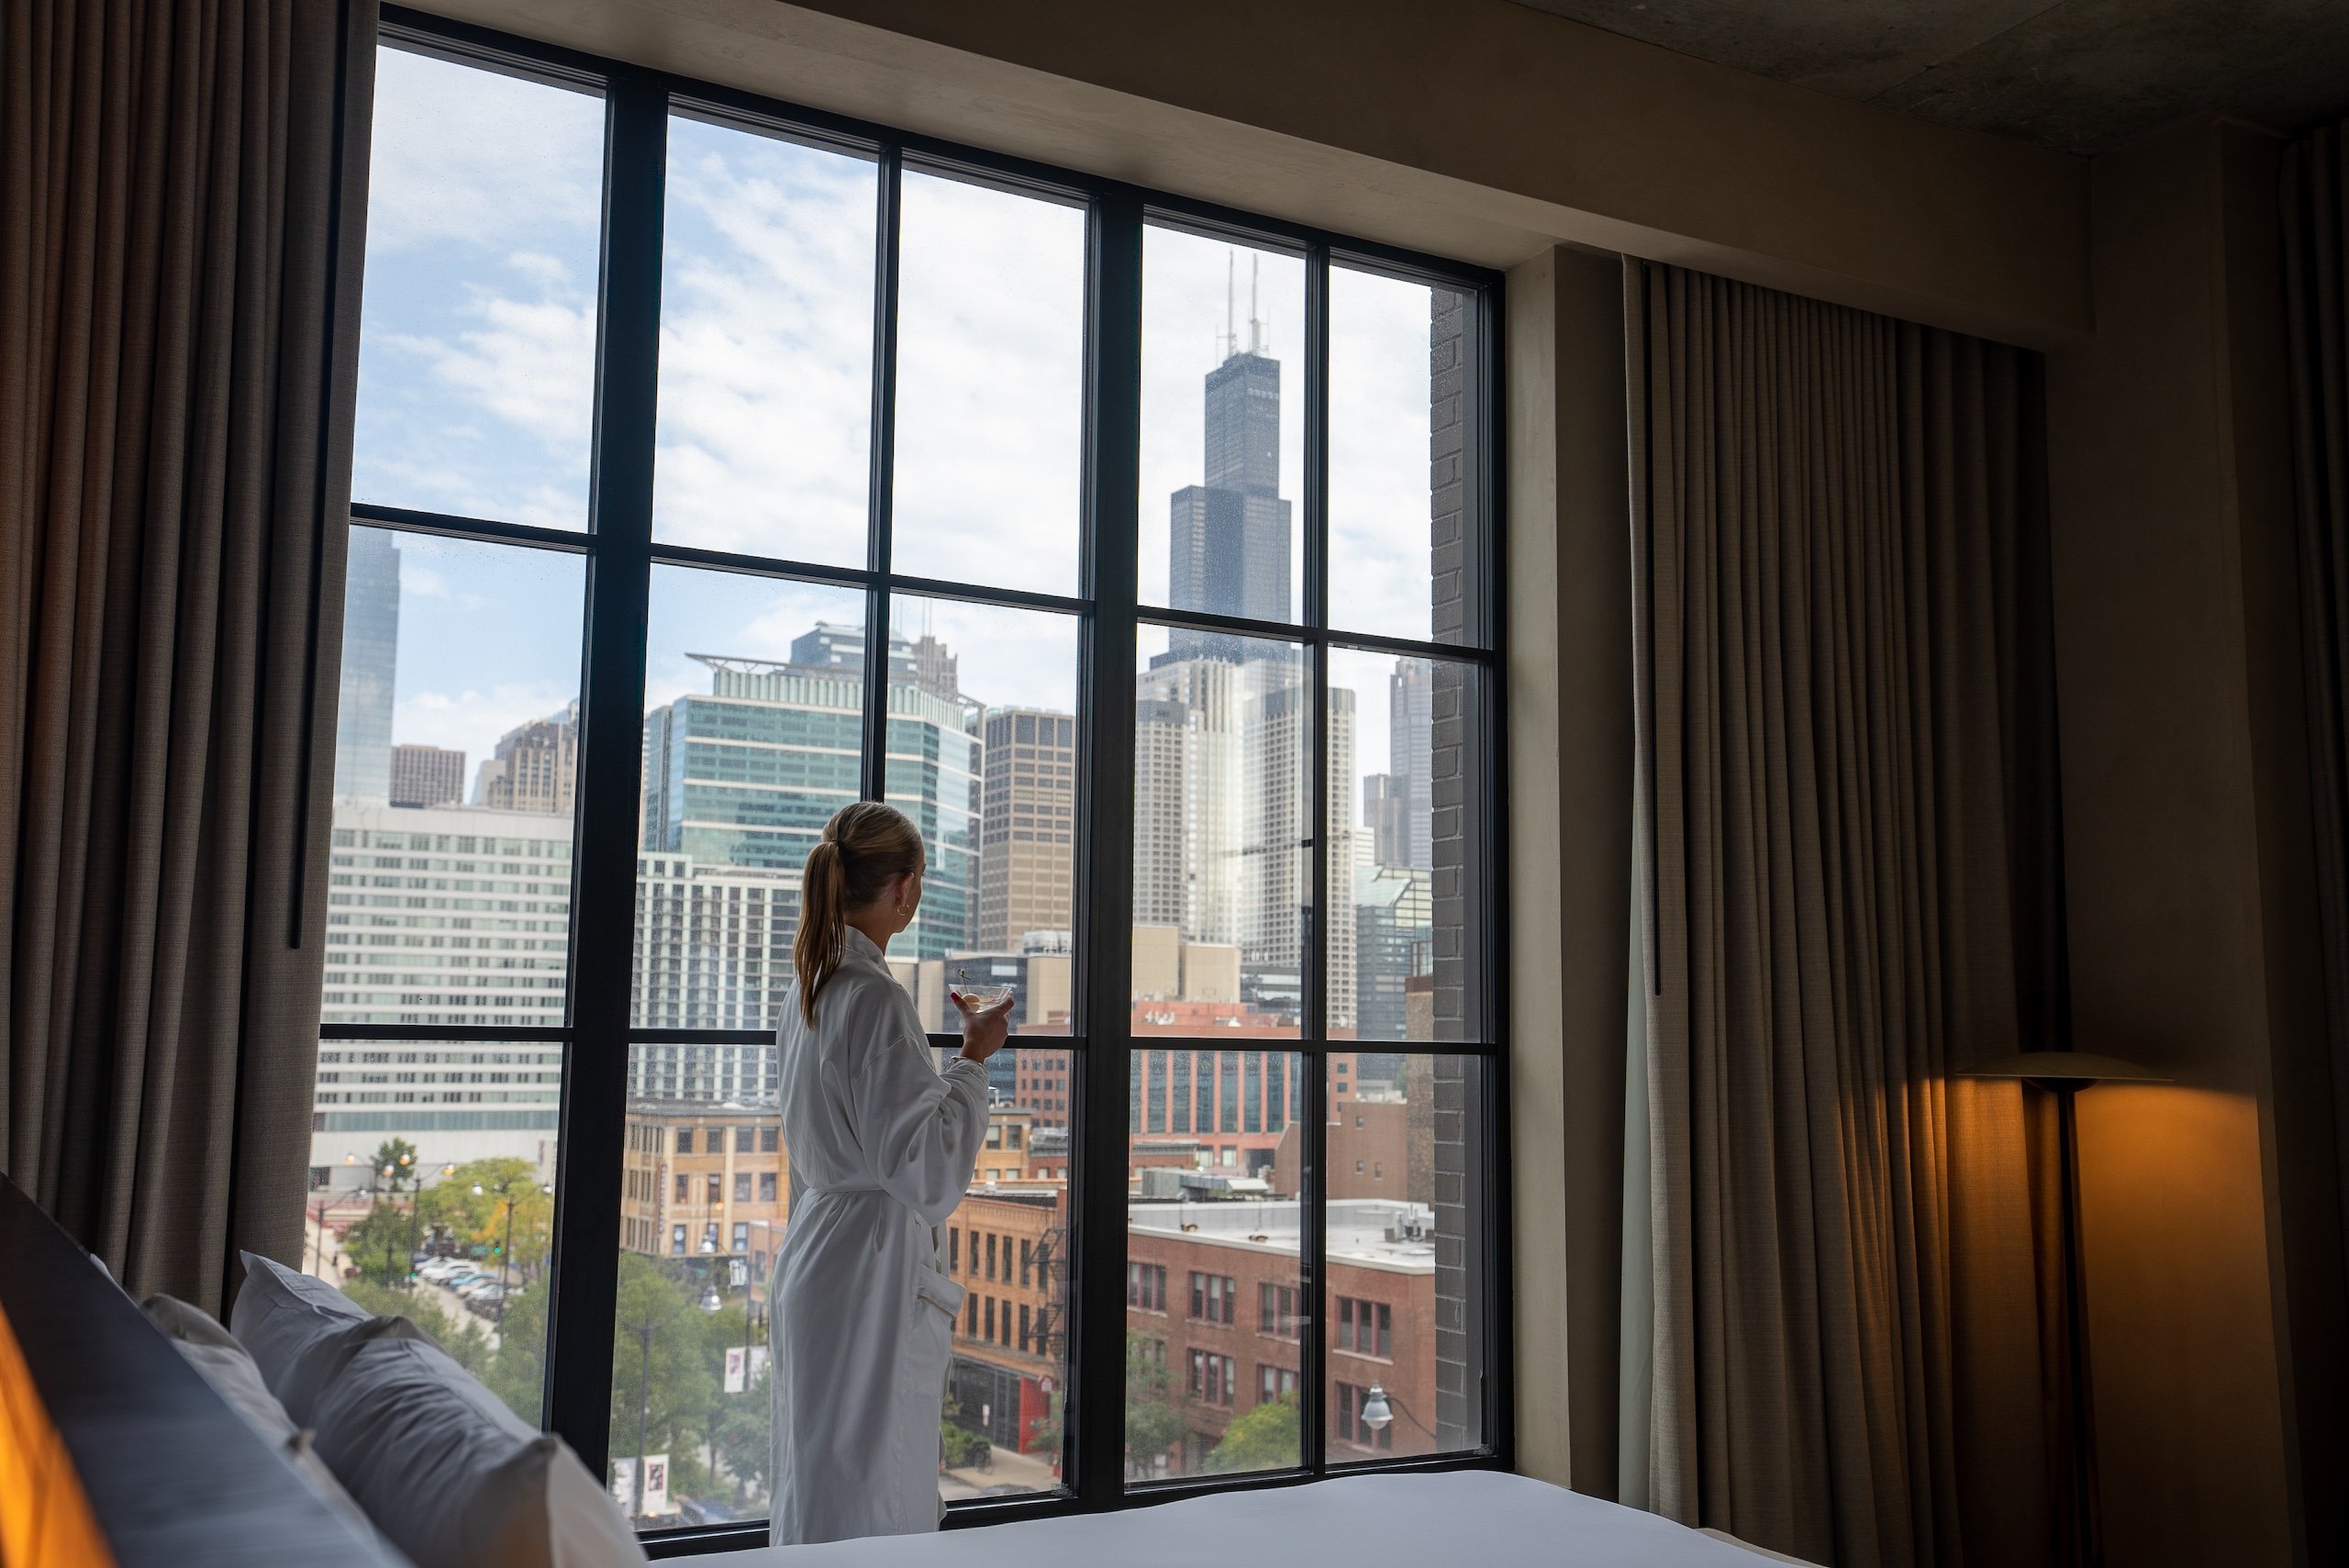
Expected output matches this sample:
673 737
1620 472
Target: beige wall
2186 842
1569 682
1479 130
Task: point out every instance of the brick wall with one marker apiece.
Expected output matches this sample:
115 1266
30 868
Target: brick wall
1454 527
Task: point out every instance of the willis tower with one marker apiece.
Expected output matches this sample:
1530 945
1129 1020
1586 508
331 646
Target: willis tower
1230 537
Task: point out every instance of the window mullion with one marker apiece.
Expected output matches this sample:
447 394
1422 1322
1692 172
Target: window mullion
1096 1399
585 1280
874 780
1312 1237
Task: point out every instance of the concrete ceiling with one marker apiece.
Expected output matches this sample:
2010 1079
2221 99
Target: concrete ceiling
2081 76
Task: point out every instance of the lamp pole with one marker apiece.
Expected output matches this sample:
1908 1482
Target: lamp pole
644 1409
2064 1074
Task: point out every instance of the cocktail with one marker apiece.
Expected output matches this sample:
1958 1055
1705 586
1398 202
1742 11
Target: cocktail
978 995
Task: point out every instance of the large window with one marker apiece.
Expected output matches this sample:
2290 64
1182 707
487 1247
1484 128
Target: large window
719 464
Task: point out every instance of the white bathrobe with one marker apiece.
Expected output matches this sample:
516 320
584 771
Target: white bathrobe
881 1146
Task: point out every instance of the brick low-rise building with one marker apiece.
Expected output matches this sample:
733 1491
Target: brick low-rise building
1216 1285
1009 1246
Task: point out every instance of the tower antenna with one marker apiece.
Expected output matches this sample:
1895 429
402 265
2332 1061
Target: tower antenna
1255 327
1231 328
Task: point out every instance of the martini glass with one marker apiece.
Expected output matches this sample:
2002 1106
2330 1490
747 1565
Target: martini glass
979 995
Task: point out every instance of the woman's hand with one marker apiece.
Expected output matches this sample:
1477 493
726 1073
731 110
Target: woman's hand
983 1028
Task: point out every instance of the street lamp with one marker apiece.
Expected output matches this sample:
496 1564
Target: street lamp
1378 1416
505 1191
644 1409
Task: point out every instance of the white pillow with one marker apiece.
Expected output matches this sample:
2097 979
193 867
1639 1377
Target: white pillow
280 1314
224 1363
451 1476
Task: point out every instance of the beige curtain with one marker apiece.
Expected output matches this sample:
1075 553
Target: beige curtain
178 294
1838 701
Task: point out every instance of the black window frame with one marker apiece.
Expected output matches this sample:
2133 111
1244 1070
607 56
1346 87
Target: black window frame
619 552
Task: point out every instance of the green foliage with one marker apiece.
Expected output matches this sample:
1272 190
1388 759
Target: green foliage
1044 1433
1263 1439
479 1219
960 1447
739 1427
517 1370
379 1242
1156 1405
663 1382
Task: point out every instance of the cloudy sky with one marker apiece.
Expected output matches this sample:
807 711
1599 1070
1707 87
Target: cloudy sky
477 371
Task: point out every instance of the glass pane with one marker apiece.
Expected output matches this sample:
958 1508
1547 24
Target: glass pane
1406 1260
1008 1245
990 387
1405 807
1214 1312
1223 437
753 726
449 902
705 1188
478 338
434 1201
983 757
1222 903
1403 502
766 347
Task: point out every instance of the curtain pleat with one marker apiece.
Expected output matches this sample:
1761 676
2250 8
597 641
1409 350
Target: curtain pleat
179 244
1846 760
2316 292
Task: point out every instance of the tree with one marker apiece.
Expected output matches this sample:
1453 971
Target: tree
387 1234
379 1242
1044 1433
1155 1408
663 1383
740 1429
1263 1439
517 1370
479 1218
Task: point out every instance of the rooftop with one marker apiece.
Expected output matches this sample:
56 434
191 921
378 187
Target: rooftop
1373 1232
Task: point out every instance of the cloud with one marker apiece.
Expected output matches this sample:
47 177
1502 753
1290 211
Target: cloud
476 157
472 718
766 348
1184 304
1380 567
990 387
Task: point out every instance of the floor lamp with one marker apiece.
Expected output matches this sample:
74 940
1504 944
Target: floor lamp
2064 1074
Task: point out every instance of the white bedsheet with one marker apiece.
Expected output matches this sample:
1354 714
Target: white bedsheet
1466 1518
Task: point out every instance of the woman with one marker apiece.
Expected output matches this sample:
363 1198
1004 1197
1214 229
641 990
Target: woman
881 1146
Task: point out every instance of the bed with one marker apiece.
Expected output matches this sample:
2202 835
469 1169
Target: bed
1462 1516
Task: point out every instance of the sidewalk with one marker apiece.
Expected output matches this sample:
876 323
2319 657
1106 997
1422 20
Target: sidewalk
1008 1473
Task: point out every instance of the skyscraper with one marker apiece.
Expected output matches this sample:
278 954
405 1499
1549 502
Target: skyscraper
1229 539
371 641
448 915
1190 797
922 662
1386 819
1027 827
1277 897
747 775
427 775
1411 757
535 766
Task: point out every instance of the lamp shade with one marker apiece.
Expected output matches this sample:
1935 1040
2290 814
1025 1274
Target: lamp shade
2072 1067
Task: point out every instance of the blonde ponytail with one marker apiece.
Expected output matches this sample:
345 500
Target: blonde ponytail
864 847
